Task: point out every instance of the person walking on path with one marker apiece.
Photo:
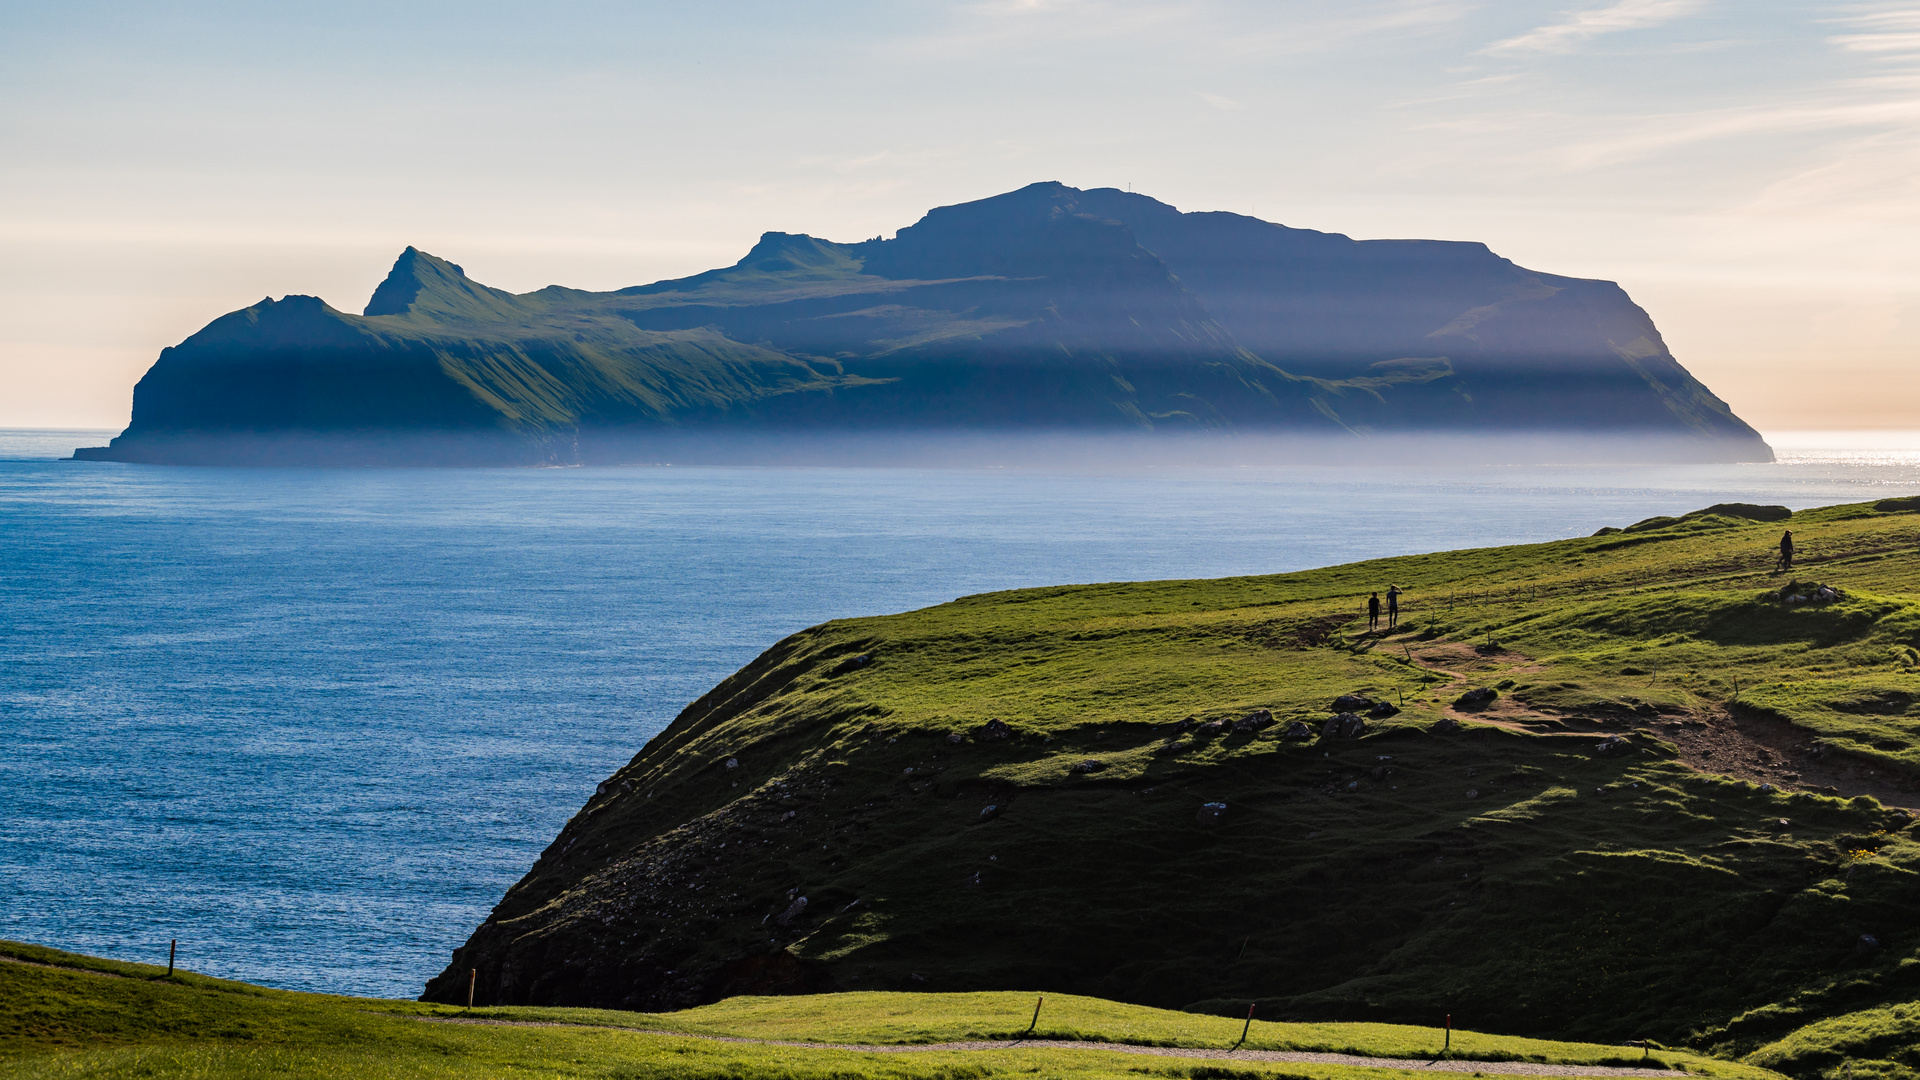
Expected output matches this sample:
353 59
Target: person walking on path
1393 606
1373 613
1785 561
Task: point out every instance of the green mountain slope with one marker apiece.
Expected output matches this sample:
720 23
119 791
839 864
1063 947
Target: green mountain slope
1664 823
1047 309
456 358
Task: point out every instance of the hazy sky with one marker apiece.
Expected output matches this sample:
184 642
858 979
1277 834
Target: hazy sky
1748 169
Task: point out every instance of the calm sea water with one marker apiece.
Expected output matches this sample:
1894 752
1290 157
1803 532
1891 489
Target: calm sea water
313 722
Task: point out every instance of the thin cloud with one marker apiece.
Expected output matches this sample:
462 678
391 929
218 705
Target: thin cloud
1884 31
1217 27
1577 27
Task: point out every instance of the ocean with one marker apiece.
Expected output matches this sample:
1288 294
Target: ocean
312 723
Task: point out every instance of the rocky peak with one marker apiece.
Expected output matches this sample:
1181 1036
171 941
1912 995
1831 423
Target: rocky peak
426 286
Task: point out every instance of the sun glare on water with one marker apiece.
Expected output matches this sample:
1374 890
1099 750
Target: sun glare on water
1865 448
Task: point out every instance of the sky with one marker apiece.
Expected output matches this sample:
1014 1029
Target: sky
1749 170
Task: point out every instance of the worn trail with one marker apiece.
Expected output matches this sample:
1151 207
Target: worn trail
1516 1068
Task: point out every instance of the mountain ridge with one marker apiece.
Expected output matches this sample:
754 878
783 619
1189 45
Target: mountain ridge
1046 309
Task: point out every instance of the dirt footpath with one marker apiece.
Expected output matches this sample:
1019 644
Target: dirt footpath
1515 1068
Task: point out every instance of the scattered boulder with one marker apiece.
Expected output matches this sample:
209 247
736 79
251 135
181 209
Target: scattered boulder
1344 726
732 764
1353 785
1447 725
1382 772
1473 793
1253 721
1381 709
994 731
1211 728
1797 592
1477 698
956 739
1170 747
1351 702
793 911
1211 813
990 813
1091 765
1613 744
851 663
1297 731
1867 945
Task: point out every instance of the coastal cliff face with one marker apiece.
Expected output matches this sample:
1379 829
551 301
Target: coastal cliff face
1200 794
1048 309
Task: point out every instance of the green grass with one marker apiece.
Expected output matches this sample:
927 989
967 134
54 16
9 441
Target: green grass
1601 896
92 1018
1879 1042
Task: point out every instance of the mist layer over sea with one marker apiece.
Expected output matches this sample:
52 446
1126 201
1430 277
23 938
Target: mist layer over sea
313 722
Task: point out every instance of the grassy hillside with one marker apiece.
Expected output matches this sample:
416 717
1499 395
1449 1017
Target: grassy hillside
63 1015
1676 818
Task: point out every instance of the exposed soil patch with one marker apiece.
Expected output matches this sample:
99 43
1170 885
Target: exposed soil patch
1710 739
1507 712
1463 666
1458 657
1768 750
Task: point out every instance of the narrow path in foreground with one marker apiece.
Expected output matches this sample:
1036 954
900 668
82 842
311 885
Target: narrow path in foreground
1518 1068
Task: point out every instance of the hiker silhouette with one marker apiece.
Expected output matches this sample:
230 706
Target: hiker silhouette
1373 612
1785 562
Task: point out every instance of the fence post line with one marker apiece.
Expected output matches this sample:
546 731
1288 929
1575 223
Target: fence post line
173 946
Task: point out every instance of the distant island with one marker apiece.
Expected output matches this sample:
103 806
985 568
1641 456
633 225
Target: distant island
1044 312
